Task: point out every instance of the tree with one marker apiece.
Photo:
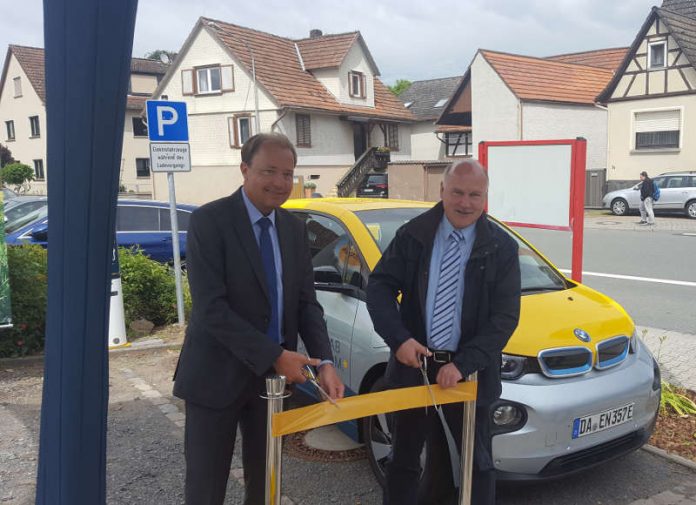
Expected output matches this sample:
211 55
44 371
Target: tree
158 53
19 175
400 86
5 156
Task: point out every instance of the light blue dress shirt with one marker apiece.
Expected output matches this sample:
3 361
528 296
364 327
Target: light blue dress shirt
444 230
254 216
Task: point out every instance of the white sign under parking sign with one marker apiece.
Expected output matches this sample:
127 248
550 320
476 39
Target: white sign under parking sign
170 157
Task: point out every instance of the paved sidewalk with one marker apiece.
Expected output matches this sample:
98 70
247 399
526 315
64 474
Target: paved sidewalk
676 224
675 352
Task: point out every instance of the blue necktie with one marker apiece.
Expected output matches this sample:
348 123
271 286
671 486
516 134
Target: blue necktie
269 268
446 293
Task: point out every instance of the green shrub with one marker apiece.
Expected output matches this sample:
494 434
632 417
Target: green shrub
28 283
18 175
149 289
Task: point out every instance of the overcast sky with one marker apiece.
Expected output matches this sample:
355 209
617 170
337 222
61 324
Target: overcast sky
408 39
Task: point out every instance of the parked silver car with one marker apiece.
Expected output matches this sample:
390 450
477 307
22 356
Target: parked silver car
677 194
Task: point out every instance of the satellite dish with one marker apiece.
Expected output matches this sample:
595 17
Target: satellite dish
164 58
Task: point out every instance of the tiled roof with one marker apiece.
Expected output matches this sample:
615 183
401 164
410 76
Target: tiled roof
447 128
683 7
424 95
537 79
683 29
136 102
602 58
279 71
31 59
326 51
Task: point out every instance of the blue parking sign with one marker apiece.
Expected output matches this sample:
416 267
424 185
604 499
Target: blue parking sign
167 121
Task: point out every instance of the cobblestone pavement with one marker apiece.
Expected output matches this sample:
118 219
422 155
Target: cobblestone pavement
675 352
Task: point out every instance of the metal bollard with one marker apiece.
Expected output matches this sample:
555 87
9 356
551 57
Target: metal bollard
467 454
275 391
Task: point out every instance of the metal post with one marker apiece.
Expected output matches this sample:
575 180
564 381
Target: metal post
175 246
275 391
467 458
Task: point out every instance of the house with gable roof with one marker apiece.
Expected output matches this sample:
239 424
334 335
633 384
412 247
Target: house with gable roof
505 96
651 100
323 92
426 100
23 117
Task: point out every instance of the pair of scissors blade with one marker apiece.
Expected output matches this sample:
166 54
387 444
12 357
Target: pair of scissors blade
426 381
312 378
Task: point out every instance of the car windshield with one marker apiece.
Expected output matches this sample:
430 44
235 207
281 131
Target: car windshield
537 275
18 223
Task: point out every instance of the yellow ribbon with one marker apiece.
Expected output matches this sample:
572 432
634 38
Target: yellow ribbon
354 407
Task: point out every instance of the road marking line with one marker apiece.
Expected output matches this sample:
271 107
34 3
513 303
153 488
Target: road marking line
634 278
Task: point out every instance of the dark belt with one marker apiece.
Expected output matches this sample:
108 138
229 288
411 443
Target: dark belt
441 356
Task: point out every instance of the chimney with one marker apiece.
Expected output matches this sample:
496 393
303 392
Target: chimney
313 34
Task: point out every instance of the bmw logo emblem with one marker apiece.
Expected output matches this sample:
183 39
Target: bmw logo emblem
582 335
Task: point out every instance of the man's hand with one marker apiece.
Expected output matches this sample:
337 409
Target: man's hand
330 381
409 353
290 365
448 376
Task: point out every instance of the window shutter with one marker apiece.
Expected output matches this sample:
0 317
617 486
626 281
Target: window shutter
227 74
304 131
657 121
363 91
187 82
232 130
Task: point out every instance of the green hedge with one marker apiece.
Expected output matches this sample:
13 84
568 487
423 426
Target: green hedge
148 293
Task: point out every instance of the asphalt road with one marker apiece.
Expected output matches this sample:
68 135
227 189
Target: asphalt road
660 256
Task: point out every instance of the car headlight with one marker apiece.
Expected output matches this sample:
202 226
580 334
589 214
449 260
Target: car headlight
507 417
512 367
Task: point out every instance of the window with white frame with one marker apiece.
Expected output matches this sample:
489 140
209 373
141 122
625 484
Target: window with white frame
39 174
208 80
657 129
10 130
142 167
657 54
17 87
458 144
356 81
392 137
34 124
240 127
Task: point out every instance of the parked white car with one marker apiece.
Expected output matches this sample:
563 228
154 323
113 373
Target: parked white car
677 194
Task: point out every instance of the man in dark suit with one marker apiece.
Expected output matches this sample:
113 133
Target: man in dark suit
459 279
252 286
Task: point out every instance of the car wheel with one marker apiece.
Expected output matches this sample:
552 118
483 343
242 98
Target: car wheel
378 442
619 207
691 209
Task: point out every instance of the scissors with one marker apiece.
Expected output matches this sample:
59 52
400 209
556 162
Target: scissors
311 377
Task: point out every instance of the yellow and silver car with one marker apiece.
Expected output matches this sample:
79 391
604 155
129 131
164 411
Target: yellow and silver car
579 388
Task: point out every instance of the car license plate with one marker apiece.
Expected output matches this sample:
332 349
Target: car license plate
603 421
368 190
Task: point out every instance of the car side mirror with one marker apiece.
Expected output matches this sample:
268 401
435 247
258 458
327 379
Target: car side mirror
40 234
327 274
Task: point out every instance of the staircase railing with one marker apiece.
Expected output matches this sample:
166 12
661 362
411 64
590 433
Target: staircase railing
349 182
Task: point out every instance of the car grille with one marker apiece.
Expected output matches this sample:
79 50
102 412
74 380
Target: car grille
612 352
594 455
565 361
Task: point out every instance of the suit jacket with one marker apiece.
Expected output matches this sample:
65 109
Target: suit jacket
226 345
490 308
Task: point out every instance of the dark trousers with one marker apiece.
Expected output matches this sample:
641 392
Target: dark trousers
410 429
209 443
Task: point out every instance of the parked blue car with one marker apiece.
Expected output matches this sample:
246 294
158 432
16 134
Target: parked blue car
142 223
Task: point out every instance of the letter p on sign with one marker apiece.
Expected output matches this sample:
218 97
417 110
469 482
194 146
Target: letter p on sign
167 121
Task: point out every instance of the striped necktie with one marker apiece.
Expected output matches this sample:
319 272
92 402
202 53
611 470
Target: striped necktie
446 294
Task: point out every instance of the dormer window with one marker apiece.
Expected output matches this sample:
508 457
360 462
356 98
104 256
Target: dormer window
356 82
657 55
441 103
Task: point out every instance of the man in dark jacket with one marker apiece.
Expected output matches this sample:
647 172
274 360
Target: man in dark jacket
647 190
459 278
